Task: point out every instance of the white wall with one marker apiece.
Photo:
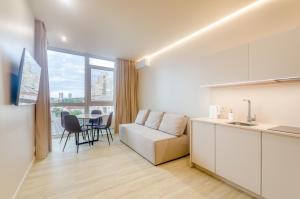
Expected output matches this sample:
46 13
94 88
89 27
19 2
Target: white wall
173 81
16 123
272 103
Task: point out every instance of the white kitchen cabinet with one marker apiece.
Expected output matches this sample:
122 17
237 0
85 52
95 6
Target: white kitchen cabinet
280 166
238 156
276 56
203 145
230 65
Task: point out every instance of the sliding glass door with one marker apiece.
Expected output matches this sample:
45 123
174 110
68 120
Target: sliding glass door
79 84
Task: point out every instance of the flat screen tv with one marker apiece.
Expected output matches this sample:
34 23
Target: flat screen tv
29 80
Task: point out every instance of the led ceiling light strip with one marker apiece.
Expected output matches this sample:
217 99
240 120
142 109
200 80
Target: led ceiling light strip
207 28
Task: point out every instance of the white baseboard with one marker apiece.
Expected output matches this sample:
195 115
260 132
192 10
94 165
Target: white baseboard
23 178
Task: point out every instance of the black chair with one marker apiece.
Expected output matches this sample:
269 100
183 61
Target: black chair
72 126
62 122
105 127
95 122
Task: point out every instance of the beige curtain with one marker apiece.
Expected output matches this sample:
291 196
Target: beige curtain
43 122
126 106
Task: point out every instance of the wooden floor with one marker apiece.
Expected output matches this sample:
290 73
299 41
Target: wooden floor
118 172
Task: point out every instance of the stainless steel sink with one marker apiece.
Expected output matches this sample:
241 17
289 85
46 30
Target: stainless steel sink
241 124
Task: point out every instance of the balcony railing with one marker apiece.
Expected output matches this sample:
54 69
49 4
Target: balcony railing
56 128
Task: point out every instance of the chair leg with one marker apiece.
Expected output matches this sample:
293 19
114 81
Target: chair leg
83 136
93 135
88 136
97 134
92 131
101 132
110 134
77 140
66 141
107 137
62 135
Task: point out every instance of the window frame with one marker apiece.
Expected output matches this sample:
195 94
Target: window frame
97 103
87 81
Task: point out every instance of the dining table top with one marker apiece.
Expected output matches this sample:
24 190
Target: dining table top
90 116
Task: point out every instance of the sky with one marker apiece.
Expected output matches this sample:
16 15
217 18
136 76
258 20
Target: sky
67 73
62 65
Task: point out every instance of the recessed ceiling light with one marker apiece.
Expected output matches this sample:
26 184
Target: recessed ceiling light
64 38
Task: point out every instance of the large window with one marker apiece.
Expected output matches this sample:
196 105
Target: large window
66 77
102 85
79 84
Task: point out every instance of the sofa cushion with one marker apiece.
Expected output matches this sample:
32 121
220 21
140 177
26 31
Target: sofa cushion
154 119
173 124
142 117
146 132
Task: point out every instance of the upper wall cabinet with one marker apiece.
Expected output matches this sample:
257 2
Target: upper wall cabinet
277 56
227 66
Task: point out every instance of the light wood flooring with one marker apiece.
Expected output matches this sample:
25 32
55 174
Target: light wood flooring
116 171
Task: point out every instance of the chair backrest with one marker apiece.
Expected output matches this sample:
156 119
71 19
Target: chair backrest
108 123
62 118
72 124
97 121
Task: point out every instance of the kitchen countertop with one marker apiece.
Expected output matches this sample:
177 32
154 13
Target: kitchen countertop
259 126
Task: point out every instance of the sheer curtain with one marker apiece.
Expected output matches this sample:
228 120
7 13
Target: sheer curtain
43 121
126 106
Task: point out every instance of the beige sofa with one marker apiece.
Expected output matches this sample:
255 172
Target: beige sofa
154 145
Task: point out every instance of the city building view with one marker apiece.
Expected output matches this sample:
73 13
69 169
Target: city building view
102 85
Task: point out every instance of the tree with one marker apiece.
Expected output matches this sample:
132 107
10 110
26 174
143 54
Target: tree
76 112
56 111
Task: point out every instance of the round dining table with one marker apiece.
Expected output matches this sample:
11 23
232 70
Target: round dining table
88 116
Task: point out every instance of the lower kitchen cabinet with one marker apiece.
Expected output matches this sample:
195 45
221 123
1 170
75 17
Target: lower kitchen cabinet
203 145
238 156
261 162
280 166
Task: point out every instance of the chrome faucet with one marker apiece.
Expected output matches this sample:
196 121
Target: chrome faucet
249 117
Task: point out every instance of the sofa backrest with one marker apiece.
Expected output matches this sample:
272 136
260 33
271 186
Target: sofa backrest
187 128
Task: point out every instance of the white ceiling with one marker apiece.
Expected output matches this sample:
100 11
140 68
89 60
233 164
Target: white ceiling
126 28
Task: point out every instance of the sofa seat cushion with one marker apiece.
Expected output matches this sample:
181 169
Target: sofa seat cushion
154 145
151 134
